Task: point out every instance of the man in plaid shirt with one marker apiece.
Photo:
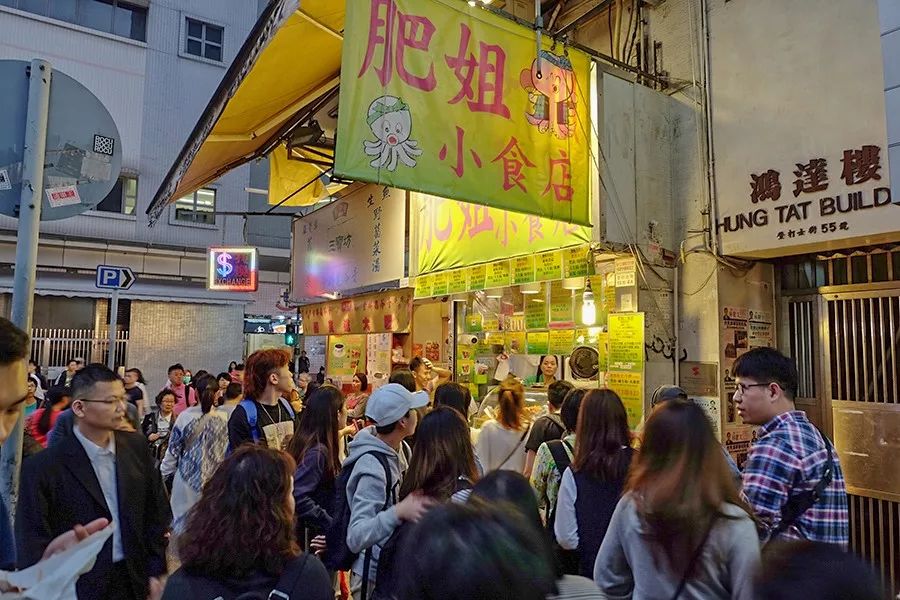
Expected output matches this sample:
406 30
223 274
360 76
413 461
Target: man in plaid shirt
790 455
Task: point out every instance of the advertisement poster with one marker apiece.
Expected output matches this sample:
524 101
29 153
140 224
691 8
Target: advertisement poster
548 265
440 283
370 313
458 281
497 274
477 277
378 357
538 342
576 262
474 323
630 388
761 329
433 351
738 441
626 342
523 269
490 323
346 355
735 325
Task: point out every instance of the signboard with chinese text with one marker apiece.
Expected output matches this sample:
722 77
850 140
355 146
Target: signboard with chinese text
537 342
549 265
454 234
346 355
523 269
383 312
449 99
354 242
810 202
232 269
626 342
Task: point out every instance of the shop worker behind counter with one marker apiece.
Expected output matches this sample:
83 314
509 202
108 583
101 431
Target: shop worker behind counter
792 477
263 416
98 472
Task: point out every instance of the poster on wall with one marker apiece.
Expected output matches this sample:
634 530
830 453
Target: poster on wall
710 406
760 329
738 441
346 355
378 358
630 388
626 342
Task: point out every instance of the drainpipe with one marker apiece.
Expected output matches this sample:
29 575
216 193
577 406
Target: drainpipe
713 241
675 332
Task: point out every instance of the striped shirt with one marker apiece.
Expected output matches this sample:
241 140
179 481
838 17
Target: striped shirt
789 458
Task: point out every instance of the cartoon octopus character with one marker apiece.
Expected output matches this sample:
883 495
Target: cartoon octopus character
390 121
552 95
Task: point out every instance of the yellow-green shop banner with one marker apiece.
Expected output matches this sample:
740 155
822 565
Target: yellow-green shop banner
451 234
440 97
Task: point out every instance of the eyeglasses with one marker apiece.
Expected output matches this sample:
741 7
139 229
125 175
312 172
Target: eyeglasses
108 401
743 387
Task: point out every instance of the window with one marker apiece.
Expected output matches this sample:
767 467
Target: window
203 40
119 17
122 198
199 207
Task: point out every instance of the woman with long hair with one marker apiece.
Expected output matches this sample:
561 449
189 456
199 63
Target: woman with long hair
315 447
197 446
239 537
42 421
592 485
356 401
441 468
681 529
455 395
501 442
443 465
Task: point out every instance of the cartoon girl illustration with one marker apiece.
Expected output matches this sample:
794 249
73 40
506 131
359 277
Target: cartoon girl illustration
551 87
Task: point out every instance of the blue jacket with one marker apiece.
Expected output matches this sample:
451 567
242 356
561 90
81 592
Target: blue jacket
7 545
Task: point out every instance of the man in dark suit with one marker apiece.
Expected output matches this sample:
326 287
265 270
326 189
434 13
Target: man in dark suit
98 472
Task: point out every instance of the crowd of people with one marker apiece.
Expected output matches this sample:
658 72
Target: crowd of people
254 481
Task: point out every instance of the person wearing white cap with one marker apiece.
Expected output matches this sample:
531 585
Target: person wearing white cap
377 464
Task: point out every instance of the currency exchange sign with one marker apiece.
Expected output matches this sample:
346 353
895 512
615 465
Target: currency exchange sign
450 100
232 269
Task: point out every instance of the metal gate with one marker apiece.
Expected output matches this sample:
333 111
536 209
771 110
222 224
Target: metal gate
860 380
53 348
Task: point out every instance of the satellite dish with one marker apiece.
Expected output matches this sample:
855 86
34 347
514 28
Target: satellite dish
84 150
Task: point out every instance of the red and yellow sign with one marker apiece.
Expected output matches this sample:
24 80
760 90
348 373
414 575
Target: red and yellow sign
383 312
440 97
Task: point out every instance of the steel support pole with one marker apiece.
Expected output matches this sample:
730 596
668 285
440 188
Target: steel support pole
113 319
27 249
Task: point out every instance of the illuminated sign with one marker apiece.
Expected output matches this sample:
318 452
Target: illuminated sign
233 270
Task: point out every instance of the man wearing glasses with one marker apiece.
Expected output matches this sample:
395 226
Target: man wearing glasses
792 477
98 472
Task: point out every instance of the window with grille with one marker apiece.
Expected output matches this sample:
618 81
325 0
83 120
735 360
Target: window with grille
199 207
126 19
203 39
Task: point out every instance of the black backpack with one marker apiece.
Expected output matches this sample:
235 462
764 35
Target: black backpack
338 556
282 591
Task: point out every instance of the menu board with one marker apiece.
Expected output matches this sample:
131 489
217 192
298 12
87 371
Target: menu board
477 275
535 314
497 274
346 355
548 265
457 281
538 342
523 269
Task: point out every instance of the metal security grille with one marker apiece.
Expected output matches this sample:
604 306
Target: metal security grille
863 375
803 322
864 336
53 348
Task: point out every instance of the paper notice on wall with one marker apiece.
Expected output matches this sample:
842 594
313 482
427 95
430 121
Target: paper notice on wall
710 405
378 358
735 329
760 329
738 441
5 183
63 196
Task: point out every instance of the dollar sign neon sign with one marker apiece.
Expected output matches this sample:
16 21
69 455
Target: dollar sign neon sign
225 267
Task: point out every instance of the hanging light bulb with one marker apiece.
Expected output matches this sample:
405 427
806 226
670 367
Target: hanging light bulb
472 3
588 308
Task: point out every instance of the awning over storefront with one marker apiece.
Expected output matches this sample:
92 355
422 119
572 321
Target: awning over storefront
261 93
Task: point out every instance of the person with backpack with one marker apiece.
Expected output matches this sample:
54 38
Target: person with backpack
367 510
553 458
316 449
42 421
264 416
239 539
681 530
549 426
591 486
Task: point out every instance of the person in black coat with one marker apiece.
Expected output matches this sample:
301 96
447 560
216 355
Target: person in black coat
98 472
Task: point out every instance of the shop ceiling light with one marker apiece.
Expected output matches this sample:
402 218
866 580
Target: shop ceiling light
573 283
588 308
494 293
531 288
